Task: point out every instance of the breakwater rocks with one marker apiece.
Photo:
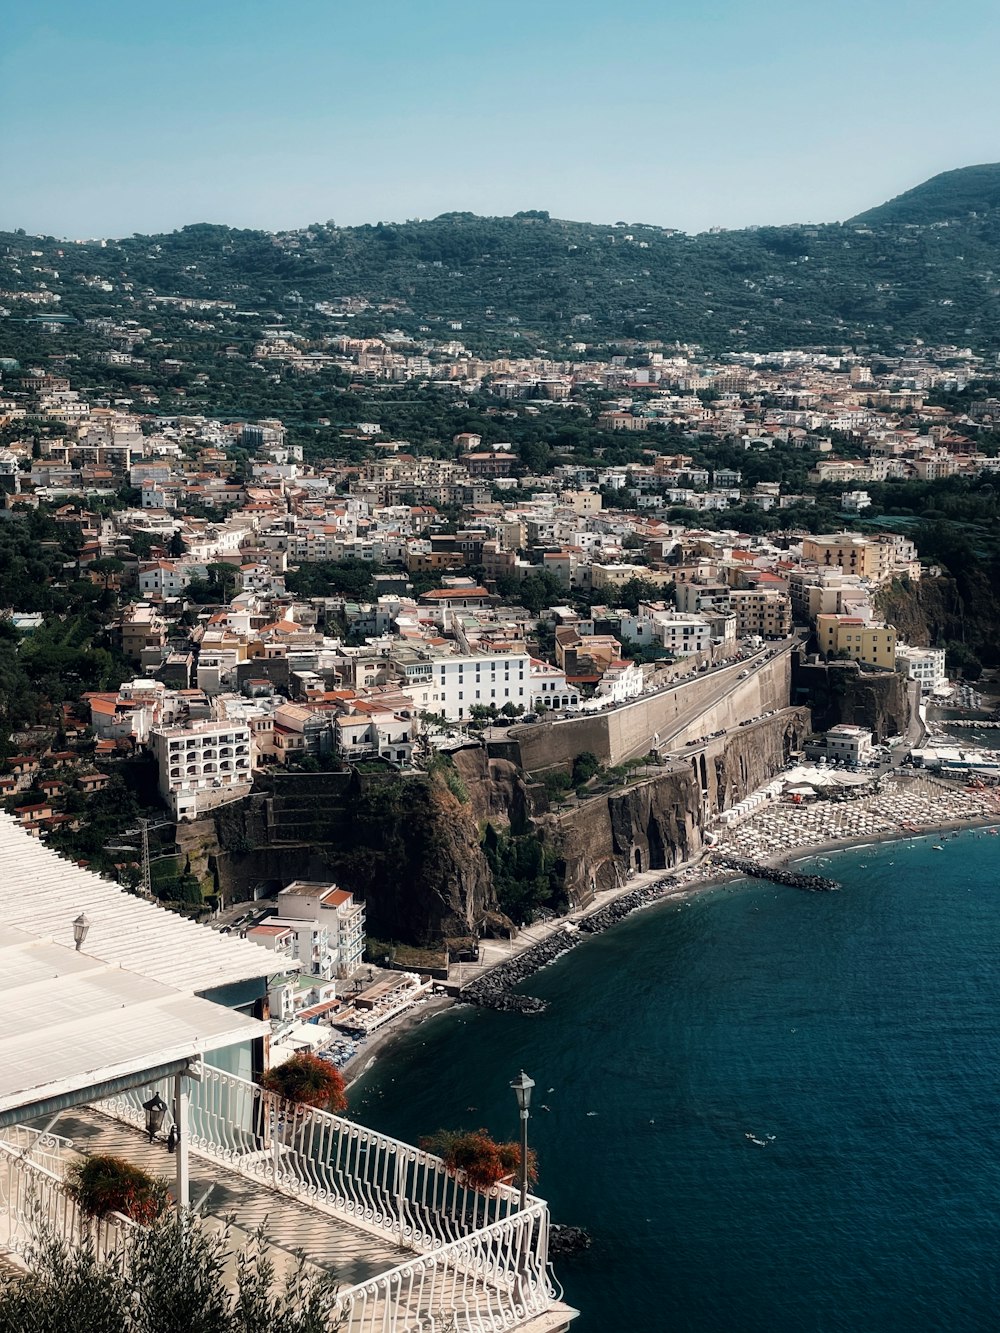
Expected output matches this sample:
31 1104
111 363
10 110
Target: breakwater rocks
621 907
794 880
495 989
566 1241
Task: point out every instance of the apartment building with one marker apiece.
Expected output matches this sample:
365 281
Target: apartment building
927 665
202 765
870 642
815 592
849 745
163 578
850 551
368 731
682 634
768 614
329 924
459 683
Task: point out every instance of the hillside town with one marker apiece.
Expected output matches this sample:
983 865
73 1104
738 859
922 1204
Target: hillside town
485 592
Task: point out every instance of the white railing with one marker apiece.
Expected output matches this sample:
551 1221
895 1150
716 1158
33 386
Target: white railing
44 1149
482 1262
368 1177
492 1280
34 1201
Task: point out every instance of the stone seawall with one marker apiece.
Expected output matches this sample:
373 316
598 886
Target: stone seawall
711 702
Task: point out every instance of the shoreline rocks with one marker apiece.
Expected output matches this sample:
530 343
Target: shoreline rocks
495 989
792 878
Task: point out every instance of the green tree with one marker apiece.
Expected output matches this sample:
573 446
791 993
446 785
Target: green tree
176 1277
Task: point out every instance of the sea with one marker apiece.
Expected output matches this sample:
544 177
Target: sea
774 1111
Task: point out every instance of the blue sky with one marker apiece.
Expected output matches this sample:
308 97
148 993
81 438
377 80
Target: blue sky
121 117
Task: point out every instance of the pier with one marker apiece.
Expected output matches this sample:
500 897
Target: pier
792 878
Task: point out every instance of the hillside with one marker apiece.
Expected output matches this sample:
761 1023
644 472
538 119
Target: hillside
517 283
950 195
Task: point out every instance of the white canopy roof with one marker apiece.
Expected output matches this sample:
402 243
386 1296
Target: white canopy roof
73 1021
43 894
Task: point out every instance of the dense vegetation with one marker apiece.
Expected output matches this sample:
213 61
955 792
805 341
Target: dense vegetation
520 283
952 194
176 1277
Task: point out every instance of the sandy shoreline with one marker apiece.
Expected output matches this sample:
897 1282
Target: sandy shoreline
386 1037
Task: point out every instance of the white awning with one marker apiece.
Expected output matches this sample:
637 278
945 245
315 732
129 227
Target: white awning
72 1022
43 893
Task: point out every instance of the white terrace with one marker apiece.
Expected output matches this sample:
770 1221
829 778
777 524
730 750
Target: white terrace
91 1033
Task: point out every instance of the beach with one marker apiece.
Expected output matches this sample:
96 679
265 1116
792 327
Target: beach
898 807
386 1037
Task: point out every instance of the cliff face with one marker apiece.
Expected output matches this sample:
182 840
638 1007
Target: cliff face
841 692
408 846
495 787
412 847
650 826
935 611
660 822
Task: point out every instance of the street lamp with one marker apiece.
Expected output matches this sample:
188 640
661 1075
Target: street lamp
156 1109
522 1086
80 927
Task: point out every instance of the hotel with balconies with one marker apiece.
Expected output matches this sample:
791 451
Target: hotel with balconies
328 927
202 765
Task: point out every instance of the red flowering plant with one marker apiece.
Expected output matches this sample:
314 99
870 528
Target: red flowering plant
307 1081
105 1184
476 1158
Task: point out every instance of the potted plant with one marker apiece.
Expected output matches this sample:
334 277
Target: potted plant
105 1184
475 1158
306 1080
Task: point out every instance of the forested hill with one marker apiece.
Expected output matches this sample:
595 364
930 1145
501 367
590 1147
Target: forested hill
949 197
926 265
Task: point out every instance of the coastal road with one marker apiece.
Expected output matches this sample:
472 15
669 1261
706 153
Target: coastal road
726 679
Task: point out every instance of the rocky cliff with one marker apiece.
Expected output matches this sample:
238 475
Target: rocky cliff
409 846
418 848
841 692
659 822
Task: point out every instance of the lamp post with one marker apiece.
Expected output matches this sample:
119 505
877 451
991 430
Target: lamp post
522 1086
156 1109
80 927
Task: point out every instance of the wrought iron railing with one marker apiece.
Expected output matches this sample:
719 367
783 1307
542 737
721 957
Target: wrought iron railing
42 1148
493 1279
366 1176
34 1202
481 1262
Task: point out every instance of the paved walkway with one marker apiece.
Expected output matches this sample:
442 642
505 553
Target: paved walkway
328 1242
493 952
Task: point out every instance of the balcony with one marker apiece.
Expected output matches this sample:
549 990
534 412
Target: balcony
415 1249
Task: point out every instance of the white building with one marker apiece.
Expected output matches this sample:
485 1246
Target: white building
683 635
163 578
202 765
369 731
319 925
459 683
923 664
849 745
621 681
548 685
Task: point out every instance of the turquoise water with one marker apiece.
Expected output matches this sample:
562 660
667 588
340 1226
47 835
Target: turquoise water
860 1029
